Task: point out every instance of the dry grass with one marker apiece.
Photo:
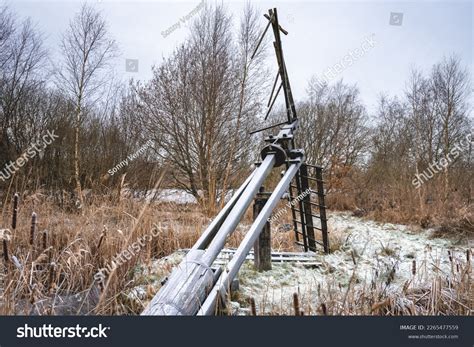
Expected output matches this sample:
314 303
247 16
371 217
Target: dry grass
49 266
68 248
49 263
401 203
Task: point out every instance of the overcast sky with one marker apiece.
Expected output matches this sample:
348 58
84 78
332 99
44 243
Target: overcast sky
402 35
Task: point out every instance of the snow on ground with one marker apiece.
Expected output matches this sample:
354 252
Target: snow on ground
377 248
167 195
369 250
177 196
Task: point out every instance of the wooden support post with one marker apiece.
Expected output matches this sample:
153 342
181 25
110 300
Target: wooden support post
263 245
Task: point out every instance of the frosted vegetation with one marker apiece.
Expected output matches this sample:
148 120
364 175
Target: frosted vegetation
381 259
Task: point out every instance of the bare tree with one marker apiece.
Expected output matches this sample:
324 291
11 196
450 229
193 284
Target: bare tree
87 51
451 88
6 31
418 96
252 84
197 102
333 128
413 135
21 57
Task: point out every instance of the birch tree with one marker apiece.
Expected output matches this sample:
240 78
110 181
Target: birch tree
87 51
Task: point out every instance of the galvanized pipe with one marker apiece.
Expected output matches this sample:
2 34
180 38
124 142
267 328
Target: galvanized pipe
212 229
238 210
185 290
189 283
247 243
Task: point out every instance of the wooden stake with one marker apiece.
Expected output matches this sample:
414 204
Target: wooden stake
296 304
324 309
253 308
